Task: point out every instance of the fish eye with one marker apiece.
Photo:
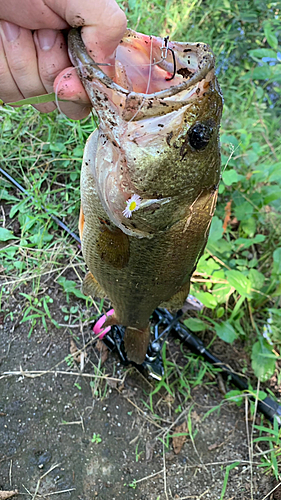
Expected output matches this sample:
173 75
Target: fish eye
199 135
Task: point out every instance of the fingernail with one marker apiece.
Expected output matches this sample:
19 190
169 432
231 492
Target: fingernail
11 31
46 38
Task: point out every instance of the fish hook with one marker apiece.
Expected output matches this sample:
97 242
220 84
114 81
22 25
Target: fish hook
164 52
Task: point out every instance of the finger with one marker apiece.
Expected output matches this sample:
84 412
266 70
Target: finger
104 24
68 86
52 55
53 58
31 15
22 61
9 90
103 38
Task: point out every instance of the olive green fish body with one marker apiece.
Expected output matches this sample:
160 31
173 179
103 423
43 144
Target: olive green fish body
157 144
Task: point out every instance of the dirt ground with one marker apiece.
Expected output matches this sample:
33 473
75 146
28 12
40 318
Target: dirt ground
70 435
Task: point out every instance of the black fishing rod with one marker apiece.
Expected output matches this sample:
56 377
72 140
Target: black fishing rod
267 406
153 366
56 219
170 324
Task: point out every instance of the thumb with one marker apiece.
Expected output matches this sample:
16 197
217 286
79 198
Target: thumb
103 33
103 22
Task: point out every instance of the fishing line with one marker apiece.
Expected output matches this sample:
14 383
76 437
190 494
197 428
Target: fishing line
101 64
150 67
148 82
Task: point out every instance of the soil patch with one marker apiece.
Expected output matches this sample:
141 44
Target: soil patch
73 435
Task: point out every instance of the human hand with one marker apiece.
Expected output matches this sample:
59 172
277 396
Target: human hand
33 51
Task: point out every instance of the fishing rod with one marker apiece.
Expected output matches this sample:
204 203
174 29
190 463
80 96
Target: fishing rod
153 365
56 219
169 324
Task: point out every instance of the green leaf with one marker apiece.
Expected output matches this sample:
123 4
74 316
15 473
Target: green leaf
18 207
6 235
6 195
239 282
207 299
18 264
229 177
216 230
227 140
263 72
248 17
260 53
220 291
257 73
246 243
277 261
259 92
207 265
220 312
226 332
73 177
263 361
248 226
39 99
70 286
256 278
195 324
78 152
243 210
274 172
266 429
270 36
9 251
236 396
276 195
221 247
57 147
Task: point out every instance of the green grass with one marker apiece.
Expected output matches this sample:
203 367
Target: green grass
239 277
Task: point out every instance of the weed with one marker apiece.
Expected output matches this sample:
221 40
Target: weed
36 310
69 360
99 387
96 439
242 266
70 286
238 278
227 471
179 380
271 458
133 484
137 453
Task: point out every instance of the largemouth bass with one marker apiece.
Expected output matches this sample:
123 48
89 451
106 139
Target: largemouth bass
149 177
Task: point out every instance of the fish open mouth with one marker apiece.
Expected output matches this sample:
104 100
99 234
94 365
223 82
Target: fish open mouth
149 64
146 67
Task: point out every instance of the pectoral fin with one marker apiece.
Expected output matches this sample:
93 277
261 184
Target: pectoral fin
92 287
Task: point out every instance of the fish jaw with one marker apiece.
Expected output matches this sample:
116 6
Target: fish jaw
141 75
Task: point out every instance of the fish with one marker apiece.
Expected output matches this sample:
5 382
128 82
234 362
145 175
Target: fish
150 175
